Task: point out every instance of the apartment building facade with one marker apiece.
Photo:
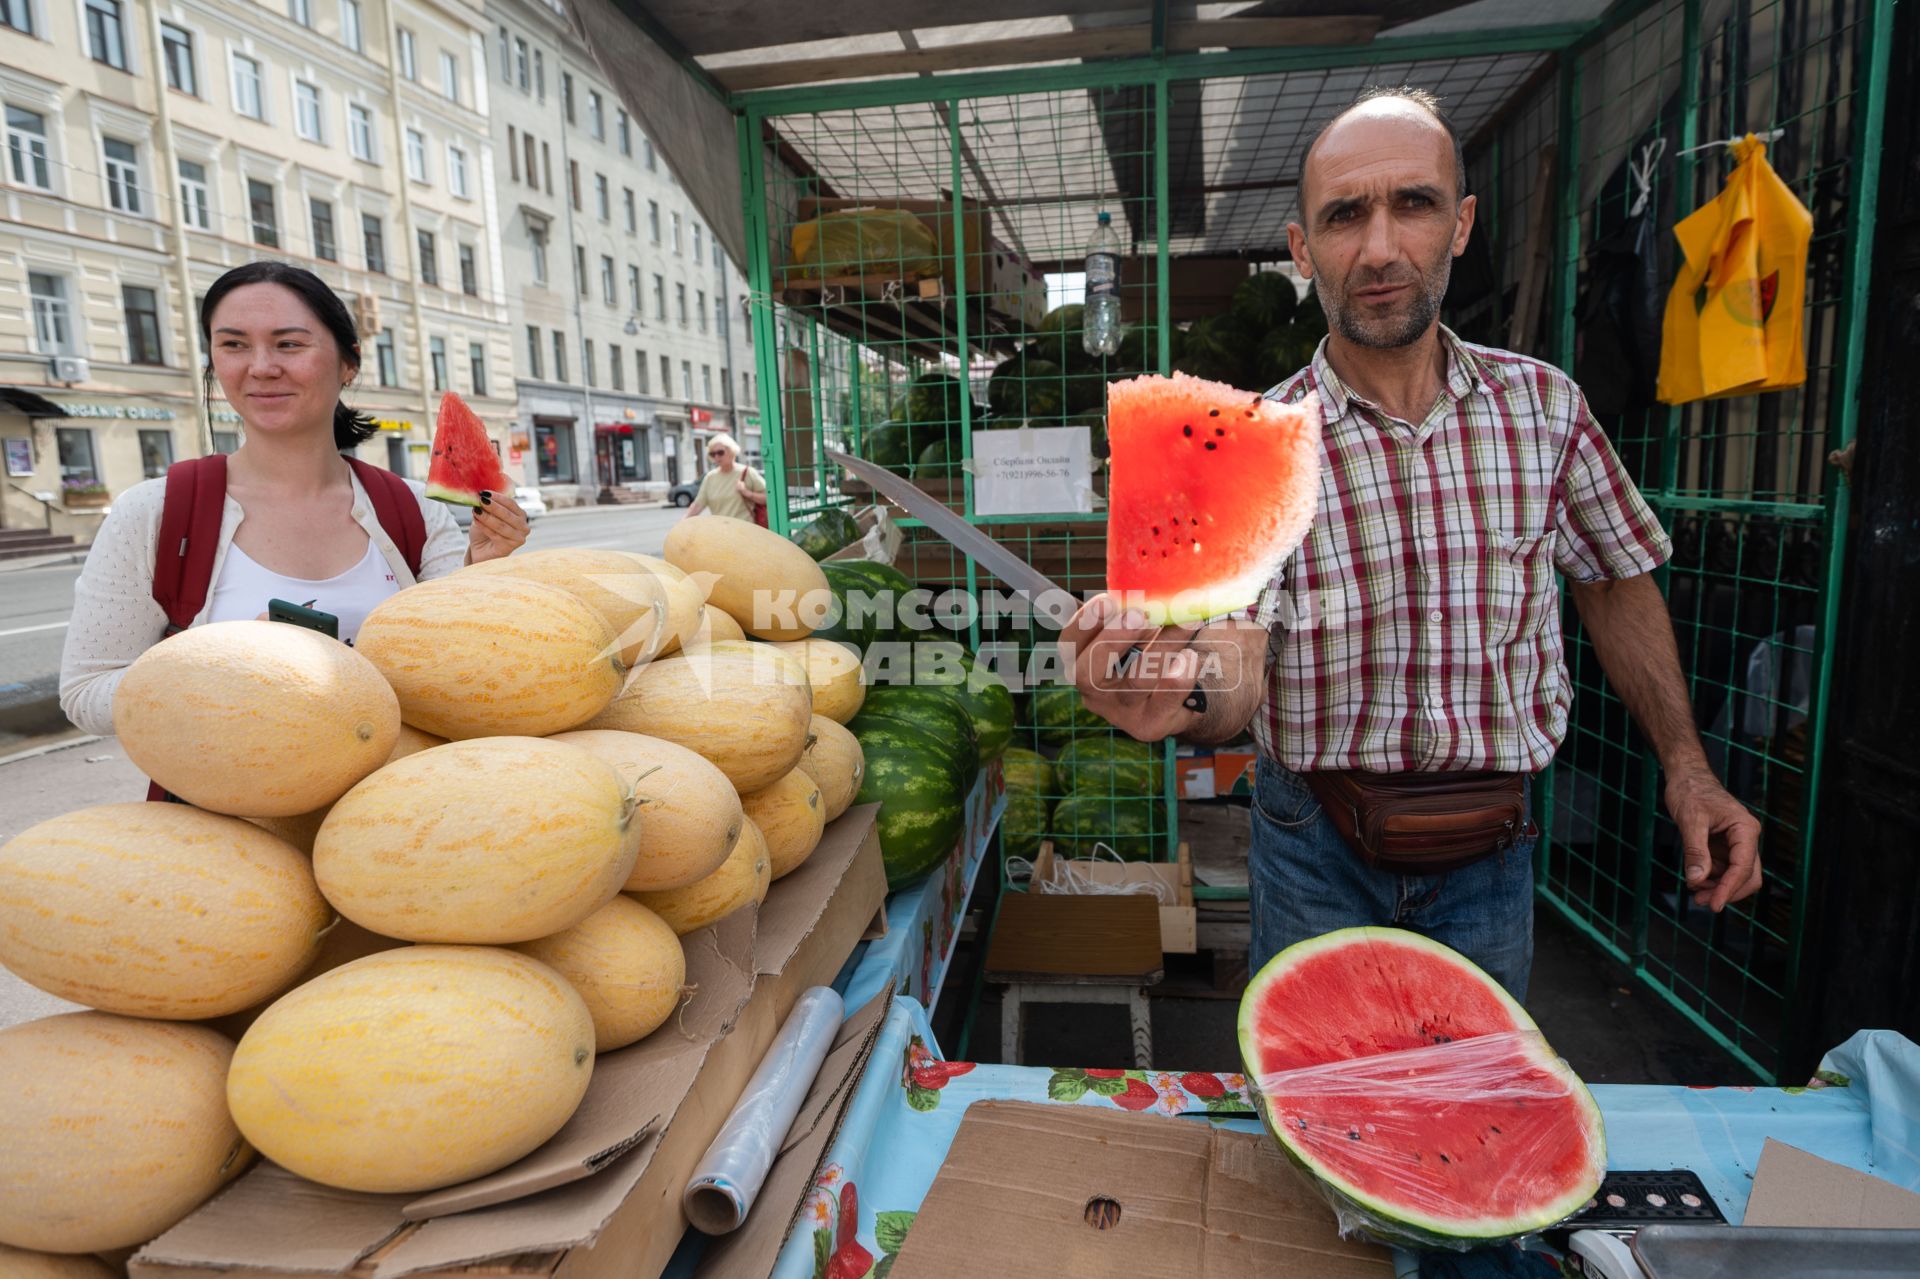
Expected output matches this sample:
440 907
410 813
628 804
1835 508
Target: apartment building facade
630 346
151 146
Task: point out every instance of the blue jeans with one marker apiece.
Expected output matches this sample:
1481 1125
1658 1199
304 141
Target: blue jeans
1305 881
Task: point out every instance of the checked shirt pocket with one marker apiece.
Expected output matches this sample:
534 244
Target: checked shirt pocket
1518 583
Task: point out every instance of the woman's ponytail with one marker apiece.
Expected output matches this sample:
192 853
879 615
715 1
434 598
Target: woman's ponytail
350 427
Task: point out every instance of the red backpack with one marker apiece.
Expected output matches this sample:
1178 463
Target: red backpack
190 535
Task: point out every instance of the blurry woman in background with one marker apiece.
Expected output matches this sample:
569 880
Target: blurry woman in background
730 488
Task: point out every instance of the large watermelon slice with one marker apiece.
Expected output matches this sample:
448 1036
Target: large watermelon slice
1416 1093
1211 489
464 463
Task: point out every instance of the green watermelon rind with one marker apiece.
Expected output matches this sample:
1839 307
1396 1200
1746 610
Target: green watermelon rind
1115 766
1027 770
825 533
1080 822
1396 1223
454 497
922 804
1061 715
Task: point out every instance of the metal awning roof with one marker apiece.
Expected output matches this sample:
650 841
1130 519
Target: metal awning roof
30 403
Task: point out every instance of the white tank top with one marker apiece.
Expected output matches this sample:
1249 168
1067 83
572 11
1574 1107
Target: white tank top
245 587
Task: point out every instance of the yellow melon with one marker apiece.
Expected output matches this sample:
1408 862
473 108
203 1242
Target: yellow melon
685 600
689 813
631 598
413 1069
627 964
345 942
715 624
255 718
742 880
116 1128
486 656
764 581
300 830
834 670
744 706
157 910
836 764
18 1263
792 817
501 839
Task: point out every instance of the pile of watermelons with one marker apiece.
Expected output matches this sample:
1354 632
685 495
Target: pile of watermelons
1087 785
1266 336
834 529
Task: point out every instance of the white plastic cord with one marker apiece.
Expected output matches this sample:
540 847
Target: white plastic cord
1769 136
1642 171
1071 879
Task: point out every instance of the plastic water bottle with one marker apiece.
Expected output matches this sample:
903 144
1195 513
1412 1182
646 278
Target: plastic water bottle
1100 325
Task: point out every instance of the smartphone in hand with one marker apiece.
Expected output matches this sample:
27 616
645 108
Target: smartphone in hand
300 615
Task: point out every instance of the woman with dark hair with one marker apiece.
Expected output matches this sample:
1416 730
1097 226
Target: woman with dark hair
297 521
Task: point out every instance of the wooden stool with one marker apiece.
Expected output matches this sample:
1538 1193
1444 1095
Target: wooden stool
1070 949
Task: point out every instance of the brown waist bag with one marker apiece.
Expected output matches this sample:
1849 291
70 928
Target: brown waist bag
1424 823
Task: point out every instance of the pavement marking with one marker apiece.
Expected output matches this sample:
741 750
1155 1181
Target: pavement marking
28 630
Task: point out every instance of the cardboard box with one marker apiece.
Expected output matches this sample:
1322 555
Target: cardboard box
1214 774
1173 882
983 267
879 540
1036 1190
603 1197
1794 1188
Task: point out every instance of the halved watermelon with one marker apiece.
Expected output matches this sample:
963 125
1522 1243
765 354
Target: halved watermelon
1212 488
1415 1092
464 463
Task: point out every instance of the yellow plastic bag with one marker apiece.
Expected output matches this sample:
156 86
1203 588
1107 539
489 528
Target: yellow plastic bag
888 243
1733 320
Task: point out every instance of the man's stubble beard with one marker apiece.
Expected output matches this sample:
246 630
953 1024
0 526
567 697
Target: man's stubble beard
1393 330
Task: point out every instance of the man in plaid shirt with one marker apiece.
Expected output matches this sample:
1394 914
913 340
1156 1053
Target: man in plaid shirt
1417 629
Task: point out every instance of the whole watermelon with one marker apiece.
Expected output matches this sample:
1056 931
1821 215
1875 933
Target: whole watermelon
1023 825
1265 301
1117 766
1095 420
851 622
934 462
985 696
1124 825
1061 715
1311 316
1086 392
1139 352
1027 770
1057 338
1285 352
1027 388
922 799
827 532
933 398
887 445
887 587
937 711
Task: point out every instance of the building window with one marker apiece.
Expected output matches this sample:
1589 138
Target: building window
533 176
539 75
653 164
176 46
409 55
680 304
477 367
566 95
696 242
533 352
546 165
437 359
746 386
640 373
350 27
196 205
226 441
324 245
608 291
301 11
386 361
666 376
633 215
27 148
653 220
603 197
450 76
720 316
17 14
141 308
156 453
520 64
686 380
247 97
590 363
123 174
457 172
469 272
701 309
573 183
677 246
375 240
616 370
506 57
553 441
706 382
633 289
52 321
596 116
306 110
659 298
623 128
416 155
76 455
559 356
537 244
513 152
106 33
266 222
360 132
580 269
429 257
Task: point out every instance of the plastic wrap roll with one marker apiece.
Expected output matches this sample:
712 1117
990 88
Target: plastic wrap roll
721 1191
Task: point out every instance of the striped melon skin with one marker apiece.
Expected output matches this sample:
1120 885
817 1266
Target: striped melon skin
791 816
835 762
685 601
754 570
834 670
413 1069
255 718
626 963
741 881
743 706
115 1129
17 1263
689 814
300 830
633 600
503 839
492 656
157 910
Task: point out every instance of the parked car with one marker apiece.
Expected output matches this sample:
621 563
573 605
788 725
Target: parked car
683 494
529 498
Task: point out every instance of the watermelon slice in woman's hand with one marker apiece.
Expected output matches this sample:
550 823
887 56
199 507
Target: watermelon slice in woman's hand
464 464
1210 490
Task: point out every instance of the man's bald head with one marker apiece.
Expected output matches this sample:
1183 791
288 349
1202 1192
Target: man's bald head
1386 102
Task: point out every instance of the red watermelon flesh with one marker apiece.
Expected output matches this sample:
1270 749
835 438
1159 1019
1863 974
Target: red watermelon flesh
1415 1092
1210 490
464 463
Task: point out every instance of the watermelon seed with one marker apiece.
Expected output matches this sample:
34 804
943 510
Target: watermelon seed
1211 446
1353 1134
1495 1127
1219 430
1187 430
1445 1160
1213 412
